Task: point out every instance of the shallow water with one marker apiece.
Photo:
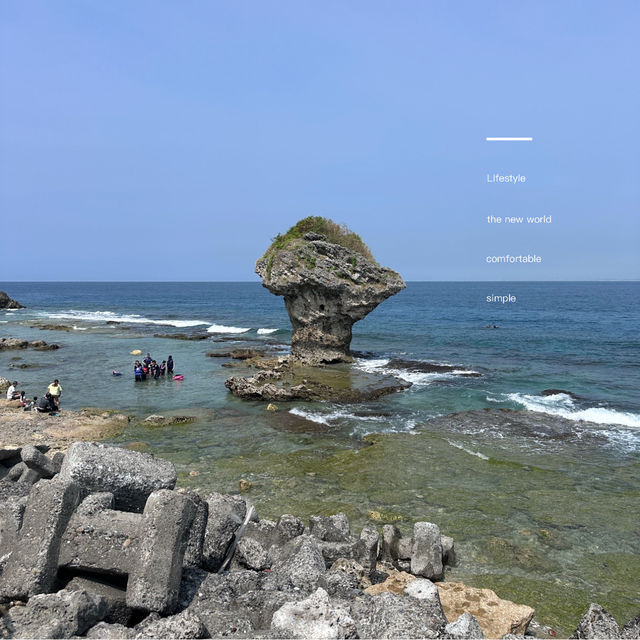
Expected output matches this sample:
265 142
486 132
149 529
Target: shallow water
542 504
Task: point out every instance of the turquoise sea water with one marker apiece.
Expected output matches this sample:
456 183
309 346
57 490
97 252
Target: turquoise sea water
543 503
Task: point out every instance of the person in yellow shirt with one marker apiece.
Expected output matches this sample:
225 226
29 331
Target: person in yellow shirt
56 391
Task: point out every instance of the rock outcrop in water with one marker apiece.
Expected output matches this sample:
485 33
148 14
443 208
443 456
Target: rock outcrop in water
328 284
9 303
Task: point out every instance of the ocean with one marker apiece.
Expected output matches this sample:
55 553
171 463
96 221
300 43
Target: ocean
532 465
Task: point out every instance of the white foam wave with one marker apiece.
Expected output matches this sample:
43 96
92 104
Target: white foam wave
79 328
332 416
220 328
266 332
110 316
371 366
562 405
4 322
417 378
309 415
477 454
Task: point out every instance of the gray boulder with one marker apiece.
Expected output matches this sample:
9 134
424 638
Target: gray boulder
300 565
597 623
115 597
107 631
330 528
426 555
30 476
340 584
37 461
214 598
15 472
264 531
226 514
182 625
391 537
314 617
364 550
632 628
465 627
250 554
387 615
59 615
448 551
131 476
288 527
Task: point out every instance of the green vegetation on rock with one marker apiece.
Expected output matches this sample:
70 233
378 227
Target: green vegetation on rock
335 233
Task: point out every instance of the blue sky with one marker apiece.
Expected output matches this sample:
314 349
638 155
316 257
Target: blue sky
154 140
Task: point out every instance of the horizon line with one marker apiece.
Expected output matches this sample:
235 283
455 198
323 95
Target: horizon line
17 282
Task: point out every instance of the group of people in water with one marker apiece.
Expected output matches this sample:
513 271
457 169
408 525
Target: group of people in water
150 368
48 403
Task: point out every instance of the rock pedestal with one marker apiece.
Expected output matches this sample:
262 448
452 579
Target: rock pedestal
326 288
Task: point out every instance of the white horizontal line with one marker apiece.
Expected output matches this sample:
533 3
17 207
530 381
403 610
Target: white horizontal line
508 139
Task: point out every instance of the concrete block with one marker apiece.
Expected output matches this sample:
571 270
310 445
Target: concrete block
195 541
33 565
131 476
426 556
106 542
154 580
38 461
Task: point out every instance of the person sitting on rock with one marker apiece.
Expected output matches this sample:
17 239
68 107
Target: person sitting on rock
46 404
31 404
12 391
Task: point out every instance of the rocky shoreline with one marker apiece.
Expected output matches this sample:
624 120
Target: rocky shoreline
56 432
98 543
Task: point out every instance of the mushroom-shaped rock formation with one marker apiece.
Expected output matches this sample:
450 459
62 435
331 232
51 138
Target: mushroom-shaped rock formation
9 303
329 280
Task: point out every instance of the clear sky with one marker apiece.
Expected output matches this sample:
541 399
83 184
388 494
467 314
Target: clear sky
156 140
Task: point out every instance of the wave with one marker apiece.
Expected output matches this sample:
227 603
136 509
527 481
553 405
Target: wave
266 332
477 454
220 328
4 322
110 316
309 415
417 378
79 328
563 405
332 416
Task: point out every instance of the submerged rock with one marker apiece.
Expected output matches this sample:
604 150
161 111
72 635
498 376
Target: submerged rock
327 285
